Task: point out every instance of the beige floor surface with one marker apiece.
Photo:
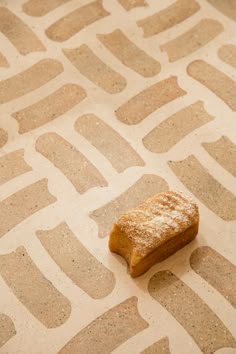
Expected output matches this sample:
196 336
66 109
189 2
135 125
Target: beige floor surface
102 104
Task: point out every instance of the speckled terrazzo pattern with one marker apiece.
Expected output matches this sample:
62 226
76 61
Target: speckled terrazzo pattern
102 105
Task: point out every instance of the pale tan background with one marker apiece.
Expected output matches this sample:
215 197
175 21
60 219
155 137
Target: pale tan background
78 148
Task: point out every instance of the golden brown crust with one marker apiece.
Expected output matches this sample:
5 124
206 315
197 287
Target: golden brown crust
154 230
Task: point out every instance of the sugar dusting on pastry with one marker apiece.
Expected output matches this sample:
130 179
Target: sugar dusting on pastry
150 223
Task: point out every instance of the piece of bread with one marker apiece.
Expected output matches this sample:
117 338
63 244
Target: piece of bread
154 230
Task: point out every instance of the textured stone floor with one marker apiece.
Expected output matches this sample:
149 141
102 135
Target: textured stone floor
102 104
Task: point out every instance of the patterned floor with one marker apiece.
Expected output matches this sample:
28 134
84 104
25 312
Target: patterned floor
104 103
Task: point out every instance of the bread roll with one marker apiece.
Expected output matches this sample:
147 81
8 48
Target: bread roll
154 230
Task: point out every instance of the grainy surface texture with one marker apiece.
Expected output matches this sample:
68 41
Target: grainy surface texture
104 103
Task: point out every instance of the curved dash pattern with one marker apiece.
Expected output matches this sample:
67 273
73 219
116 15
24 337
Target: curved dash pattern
23 204
176 127
33 290
29 80
3 61
227 53
149 100
129 54
108 142
216 270
216 81
3 137
227 7
94 69
77 262
145 187
7 329
75 21
179 11
191 313
131 4
80 172
39 8
18 33
13 165
224 152
205 187
49 108
108 331
195 38
160 347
